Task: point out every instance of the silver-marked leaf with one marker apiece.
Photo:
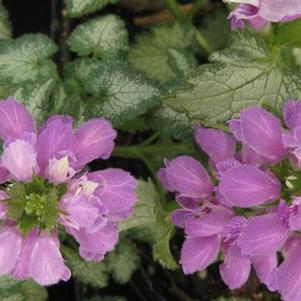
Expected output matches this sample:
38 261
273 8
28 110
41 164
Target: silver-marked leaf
123 261
120 94
102 37
171 122
27 58
161 54
78 8
150 220
88 272
36 96
244 74
5 25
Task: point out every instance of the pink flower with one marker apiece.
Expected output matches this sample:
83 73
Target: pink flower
260 12
258 168
44 168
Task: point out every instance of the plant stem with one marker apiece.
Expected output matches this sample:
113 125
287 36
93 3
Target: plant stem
202 41
197 5
164 149
175 10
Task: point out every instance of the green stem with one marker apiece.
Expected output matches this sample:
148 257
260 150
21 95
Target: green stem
204 44
175 10
151 139
134 151
197 5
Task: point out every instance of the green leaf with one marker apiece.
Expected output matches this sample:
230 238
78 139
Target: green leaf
27 58
120 94
288 33
244 74
152 222
216 29
171 123
36 96
78 8
33 291
5 26
123 261
88 272
13 290
163 54
102 37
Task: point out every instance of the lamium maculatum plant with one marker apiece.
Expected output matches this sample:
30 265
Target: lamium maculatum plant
46 191
249 209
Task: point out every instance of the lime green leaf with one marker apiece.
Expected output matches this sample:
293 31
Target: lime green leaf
27 58
88 272
123 261
162 54
244 74
120 93
150 219
171 122
103 37
5 26
78 8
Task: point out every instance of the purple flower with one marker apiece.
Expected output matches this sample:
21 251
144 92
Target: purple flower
247 186
260 12
218 145
187 177
262 176
260 131
44 170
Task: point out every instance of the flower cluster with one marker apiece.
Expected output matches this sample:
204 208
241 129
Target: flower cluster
251 212
259 13
45 190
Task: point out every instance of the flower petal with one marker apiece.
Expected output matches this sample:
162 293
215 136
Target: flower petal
10 249
279 10
180 216
262 132
97 243
15 120
217 144
288 275
95 140
208 223
188 177
268 240
247 185
19 158
199 253
116 190
235 270
80 212
264 265
55 140
292 113
46 264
